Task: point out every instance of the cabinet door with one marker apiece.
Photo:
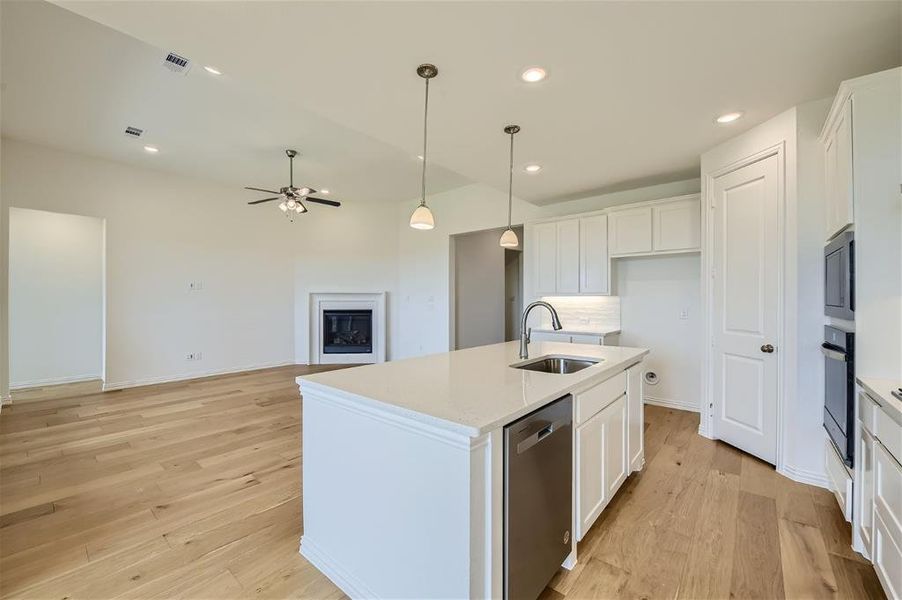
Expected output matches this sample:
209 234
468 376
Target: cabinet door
677 225
887 558
615 470
544 258
593 255
590 484
568 256
866 490
636 418
629 231
838 172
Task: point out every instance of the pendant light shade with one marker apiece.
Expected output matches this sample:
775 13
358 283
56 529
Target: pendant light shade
509 237
422 217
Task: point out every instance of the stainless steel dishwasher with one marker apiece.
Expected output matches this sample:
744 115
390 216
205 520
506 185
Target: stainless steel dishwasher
538 459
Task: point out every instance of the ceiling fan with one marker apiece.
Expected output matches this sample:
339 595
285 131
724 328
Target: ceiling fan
292 198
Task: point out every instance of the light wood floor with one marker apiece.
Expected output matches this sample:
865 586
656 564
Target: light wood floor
192 490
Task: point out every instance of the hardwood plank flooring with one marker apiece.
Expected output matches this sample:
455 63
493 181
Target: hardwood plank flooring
192 490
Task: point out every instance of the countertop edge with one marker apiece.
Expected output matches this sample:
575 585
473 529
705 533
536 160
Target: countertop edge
468 430
889 403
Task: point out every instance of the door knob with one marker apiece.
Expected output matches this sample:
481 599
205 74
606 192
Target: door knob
767 348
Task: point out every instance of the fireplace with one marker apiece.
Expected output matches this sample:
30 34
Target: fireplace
347 328
347 331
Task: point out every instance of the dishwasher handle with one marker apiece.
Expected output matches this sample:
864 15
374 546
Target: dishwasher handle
541 434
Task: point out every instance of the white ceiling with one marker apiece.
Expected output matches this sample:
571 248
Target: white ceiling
630 99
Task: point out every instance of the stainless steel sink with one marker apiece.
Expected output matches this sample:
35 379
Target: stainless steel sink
561 365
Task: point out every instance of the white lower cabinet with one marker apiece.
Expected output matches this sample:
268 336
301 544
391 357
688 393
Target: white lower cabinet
887 558
865 498
605 441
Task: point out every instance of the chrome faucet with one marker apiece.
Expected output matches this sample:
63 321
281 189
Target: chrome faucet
525 333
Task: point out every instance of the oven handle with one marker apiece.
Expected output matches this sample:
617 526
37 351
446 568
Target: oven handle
834 354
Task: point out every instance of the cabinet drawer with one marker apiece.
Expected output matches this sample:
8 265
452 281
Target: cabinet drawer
593 400
887 558
889 433
866 410
840 481
888 489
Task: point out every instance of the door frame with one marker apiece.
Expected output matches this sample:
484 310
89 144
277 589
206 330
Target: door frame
785 341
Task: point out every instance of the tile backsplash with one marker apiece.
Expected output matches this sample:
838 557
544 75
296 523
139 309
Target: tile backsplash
583 313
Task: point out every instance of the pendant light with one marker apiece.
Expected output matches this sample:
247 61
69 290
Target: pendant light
422 216
509 237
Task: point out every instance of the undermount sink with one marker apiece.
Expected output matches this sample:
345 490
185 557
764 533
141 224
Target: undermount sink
562 365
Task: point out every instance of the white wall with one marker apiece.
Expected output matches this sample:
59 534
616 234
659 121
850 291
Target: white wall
653 292
424 275
163 231
55 297
479 289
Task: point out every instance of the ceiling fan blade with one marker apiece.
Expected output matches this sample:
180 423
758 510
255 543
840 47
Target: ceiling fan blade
262 190
264 200
321 201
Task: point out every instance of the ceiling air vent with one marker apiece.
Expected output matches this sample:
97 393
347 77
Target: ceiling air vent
133 132
176 63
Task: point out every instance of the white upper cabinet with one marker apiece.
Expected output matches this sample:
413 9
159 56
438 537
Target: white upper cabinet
838 171
568 246
666 226
543 252
676 225
593 255
569 256
630 231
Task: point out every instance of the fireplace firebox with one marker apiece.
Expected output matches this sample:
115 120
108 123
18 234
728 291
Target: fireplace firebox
347 331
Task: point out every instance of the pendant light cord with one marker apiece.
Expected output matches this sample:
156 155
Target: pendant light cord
425 126
510 185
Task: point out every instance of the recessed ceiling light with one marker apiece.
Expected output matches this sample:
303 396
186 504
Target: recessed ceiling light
212 71
728 118
533 74
151 149
324 192
532 168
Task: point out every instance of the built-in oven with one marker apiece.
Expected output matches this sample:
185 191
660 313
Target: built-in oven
839 390
839 277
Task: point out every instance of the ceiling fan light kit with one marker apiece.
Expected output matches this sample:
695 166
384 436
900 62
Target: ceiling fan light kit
509 237
422 217
292 198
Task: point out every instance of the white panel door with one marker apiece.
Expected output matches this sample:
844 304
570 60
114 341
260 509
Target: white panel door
615 468
593 255
745 303
629 231
568 256
590 480
677 225
544 258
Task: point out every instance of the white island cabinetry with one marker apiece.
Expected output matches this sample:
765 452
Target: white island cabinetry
403 463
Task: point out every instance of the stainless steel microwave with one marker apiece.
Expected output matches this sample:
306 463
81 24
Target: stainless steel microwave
839 277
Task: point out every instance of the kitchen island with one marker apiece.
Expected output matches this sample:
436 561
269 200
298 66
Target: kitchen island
403 462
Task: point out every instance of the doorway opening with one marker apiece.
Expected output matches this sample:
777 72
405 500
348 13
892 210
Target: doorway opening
56 302
487 289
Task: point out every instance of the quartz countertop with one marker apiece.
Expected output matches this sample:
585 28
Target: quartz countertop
880 390
602 331
473 391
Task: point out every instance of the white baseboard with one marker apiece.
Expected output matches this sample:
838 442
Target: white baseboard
805 476
677 404
21 385
345 581
119 385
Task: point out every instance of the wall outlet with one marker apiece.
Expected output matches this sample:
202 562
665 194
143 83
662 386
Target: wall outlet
195 286
190 356
684 314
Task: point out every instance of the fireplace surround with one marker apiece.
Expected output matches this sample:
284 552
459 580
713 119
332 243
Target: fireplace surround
347 328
